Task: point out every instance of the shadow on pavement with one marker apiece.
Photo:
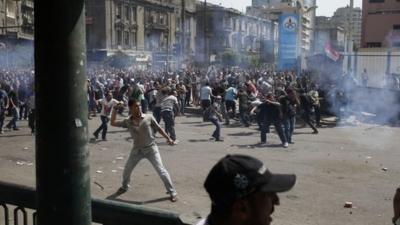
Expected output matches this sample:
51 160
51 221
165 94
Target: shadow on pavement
196 122
14 135
94 140
116 131
199 140
258 146
119 192
203 124
243 134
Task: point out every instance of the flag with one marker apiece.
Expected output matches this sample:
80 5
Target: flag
331 52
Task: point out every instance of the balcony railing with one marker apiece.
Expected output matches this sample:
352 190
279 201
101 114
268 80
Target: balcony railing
27 3
22 200
156 26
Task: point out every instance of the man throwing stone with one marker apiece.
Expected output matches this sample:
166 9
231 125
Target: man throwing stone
142 129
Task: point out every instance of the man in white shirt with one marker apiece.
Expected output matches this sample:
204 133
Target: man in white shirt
205 97
169 105
107 104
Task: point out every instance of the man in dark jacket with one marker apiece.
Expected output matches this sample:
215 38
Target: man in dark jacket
270 113
306 105
289 104
3 107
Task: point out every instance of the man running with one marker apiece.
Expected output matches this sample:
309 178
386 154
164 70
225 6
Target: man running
107 104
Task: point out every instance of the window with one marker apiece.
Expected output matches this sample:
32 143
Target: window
376 1
162 20
126 38
127 13
119 37
134 15
118 10
133 39
374 44
396 27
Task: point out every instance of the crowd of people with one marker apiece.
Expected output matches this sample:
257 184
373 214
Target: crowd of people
17 98
262 97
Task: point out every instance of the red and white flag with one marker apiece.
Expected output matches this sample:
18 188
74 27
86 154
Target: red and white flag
331 52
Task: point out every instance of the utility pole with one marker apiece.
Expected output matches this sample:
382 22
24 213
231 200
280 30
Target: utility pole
62 156
183 34
17 12
350 34
206 57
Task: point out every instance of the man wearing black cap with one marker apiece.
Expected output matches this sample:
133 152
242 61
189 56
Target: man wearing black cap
243 191
396 207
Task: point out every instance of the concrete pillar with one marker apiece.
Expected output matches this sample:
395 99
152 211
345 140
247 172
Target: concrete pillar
141 27
62 165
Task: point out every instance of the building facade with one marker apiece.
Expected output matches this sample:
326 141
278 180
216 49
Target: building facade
327 31
148 30
272 9
16 33
259 3
16 19
381 24
223 31
350 20
185 45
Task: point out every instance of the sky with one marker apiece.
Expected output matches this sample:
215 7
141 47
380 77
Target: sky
325 7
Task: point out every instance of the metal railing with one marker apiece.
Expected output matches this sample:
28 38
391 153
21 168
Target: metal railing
105 212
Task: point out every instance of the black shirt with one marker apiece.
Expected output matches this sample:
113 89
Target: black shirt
287 106
306 102
269 112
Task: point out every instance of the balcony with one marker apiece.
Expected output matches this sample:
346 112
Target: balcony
27 21
157 26
133 26
11 21
119 24
27 3
227 28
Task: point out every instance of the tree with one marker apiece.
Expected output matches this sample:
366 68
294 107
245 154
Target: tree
120 60
230 58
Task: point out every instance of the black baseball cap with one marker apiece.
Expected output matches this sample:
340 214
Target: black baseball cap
237 176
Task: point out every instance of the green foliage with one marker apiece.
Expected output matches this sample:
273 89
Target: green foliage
250 61
230 58
119 60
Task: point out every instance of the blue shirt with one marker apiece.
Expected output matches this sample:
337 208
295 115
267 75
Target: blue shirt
3 96
230 94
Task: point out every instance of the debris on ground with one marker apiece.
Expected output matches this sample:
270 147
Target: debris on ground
348 205
101 186
22 163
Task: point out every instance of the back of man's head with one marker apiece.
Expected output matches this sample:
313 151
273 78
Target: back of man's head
235 177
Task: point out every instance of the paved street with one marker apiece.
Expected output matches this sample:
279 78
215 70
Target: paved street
340 164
